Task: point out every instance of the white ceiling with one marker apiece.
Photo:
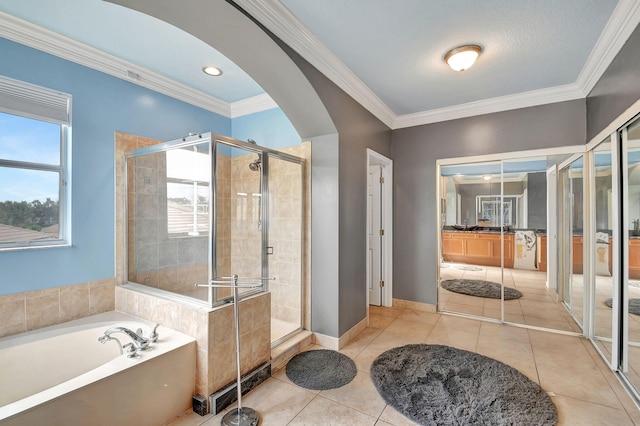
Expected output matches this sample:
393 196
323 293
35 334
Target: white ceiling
387 54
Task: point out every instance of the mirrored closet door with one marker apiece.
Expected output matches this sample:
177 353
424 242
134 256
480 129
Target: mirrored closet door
494 218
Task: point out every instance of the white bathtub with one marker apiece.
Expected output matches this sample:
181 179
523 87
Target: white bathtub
62 375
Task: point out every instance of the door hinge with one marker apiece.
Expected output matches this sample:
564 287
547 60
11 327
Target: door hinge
381 283
382 232
381 179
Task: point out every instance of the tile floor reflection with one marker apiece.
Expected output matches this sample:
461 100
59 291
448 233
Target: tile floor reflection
584 390
538 305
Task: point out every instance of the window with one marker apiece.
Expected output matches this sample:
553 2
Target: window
34 145
188 172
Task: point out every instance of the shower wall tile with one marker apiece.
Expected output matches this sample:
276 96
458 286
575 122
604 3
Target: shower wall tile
204 374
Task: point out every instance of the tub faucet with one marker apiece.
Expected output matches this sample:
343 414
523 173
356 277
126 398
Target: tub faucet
141 342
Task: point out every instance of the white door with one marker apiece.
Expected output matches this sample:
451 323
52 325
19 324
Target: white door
374 227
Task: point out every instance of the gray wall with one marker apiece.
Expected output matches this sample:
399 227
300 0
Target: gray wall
415 151
358 130
537 200
617 89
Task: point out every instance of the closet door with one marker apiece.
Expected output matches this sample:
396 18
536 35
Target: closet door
571 242
471 220
630 285
605 215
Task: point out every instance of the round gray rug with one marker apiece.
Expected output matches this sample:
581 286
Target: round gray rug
440 385
480 288
321 369
634 305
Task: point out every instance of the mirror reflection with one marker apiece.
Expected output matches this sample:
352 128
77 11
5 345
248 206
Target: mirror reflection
631 288
603 281
494 234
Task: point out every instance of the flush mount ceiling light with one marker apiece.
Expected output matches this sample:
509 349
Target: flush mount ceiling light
461 58
211 70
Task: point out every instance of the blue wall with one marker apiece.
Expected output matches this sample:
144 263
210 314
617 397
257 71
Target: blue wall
101 104
270 128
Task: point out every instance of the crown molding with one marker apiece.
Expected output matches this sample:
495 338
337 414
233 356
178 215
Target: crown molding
278 19
621 24
487 106
254 104
48 41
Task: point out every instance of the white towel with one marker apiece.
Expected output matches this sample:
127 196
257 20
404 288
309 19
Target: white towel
525 250
602 254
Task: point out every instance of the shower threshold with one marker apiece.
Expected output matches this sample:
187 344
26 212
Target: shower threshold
280 329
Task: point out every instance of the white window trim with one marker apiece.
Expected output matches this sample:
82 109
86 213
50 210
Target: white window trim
43 104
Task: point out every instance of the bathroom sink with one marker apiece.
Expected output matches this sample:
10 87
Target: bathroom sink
466 228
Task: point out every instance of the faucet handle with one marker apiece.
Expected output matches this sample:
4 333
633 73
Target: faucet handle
132 350
154 334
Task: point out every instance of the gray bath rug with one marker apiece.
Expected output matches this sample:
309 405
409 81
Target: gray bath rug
634 305
480 288
321 369
440 385
459 266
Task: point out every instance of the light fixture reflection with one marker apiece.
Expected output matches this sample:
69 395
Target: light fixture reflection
463 57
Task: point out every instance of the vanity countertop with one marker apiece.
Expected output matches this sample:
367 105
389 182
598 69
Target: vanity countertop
488 229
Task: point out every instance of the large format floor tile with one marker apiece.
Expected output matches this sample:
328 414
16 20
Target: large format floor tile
584 390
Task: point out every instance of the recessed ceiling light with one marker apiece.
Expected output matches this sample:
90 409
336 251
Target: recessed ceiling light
211 70
461 58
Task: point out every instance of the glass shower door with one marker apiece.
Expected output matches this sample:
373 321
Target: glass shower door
284 247
239 216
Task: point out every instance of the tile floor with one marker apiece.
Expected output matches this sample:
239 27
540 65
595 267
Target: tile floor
582 387
541 307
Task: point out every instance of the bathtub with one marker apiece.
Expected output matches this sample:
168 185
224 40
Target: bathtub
62 375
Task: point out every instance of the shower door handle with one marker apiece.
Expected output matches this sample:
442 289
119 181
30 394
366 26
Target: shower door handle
269 250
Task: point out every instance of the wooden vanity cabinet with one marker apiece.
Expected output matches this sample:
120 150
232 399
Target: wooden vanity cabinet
634 258
477 248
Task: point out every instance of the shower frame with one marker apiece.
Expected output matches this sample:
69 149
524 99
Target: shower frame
265 154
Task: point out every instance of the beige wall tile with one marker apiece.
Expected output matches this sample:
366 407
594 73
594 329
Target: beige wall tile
74 302
13 317
43 308
102 296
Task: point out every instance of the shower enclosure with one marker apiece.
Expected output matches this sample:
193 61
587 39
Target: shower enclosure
209 206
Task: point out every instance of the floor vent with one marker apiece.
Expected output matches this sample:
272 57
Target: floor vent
223 398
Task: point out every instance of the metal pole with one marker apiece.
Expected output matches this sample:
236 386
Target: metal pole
236 319
239 416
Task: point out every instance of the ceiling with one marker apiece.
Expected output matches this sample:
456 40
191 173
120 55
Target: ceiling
388 55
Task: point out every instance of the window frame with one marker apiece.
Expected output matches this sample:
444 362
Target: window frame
33 102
